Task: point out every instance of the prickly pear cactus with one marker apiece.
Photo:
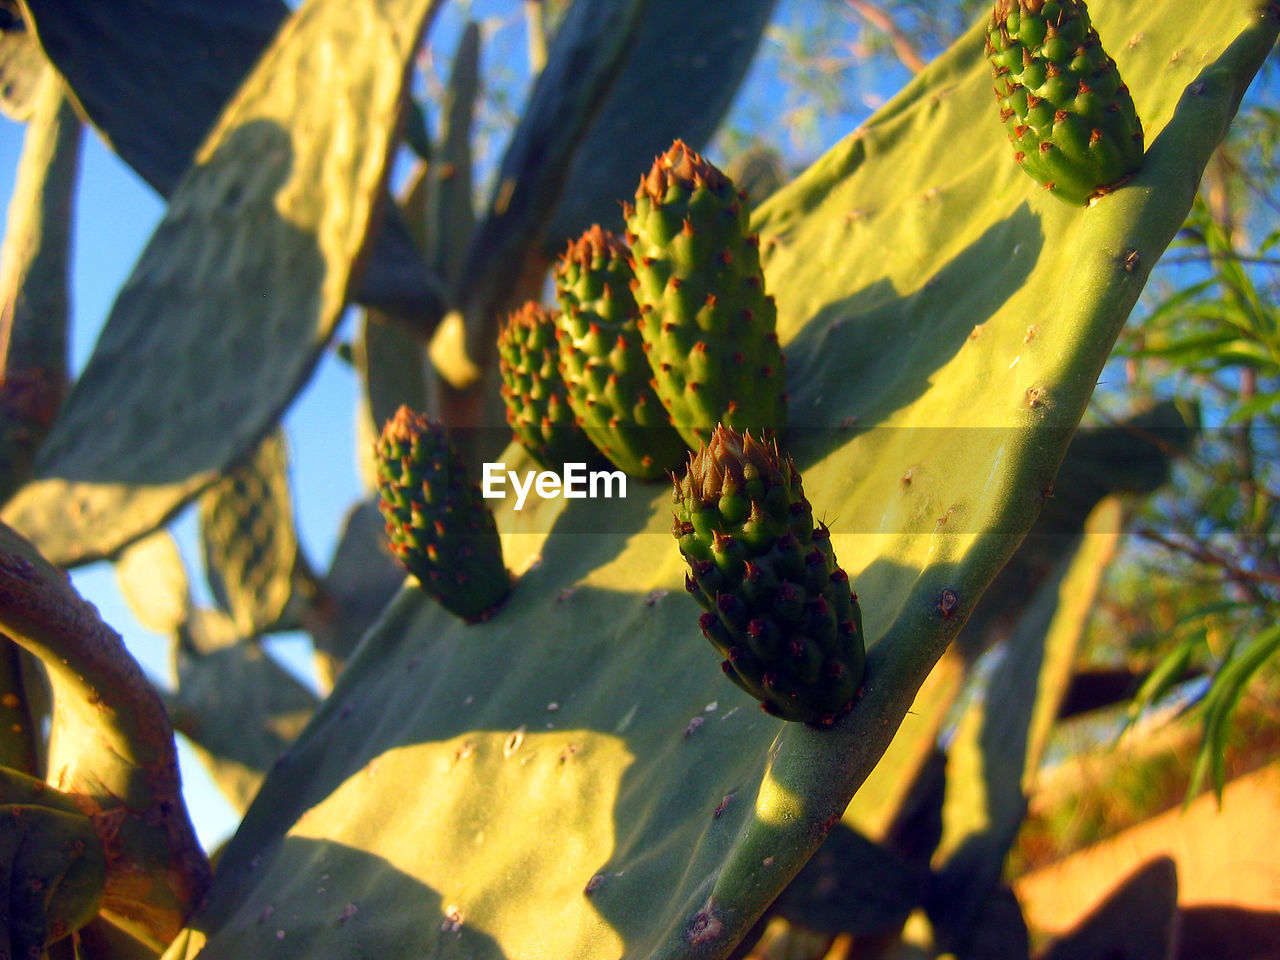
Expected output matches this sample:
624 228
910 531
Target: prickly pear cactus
536 402
603 360
708 325
775 603
944 323
438 525
1070 117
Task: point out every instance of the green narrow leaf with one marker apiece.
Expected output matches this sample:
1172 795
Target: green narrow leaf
1164 677
1225 690
1171 306
195 364
249 540
1260 405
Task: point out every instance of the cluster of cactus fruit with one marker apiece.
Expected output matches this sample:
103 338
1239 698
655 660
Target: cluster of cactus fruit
1070 117
663 342
659 337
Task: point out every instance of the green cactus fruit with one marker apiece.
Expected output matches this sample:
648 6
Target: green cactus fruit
439 526
537 404
776 604
707 324
602 358
1070 117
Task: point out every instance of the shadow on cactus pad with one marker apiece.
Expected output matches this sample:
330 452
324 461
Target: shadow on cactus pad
363 897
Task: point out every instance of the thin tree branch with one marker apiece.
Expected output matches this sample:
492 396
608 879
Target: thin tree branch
881 20
1204 554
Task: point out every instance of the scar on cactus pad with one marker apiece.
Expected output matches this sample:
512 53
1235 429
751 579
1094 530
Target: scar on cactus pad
776 605
439 526
1070 117
533 391
708 326
602 358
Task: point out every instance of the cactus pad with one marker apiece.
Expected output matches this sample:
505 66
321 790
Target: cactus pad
707 324
1070 117
602 358
537 403
658 812
776 605
439 526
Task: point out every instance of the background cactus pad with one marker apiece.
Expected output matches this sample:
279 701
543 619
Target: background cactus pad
439 527
536 401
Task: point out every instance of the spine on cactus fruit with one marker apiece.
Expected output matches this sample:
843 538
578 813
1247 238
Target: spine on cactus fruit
438 524
534 393
1069 116
602 358
708 325
776 605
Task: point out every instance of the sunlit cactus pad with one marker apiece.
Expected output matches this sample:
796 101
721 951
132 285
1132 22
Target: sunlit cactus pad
574 778
189 374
